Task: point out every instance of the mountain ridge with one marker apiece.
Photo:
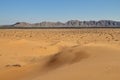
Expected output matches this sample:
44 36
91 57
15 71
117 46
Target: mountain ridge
70 23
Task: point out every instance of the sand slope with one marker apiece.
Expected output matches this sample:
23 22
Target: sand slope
85 54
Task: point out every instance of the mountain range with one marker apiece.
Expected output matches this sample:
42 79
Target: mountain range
71 23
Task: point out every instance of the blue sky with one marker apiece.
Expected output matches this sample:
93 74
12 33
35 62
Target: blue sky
12 11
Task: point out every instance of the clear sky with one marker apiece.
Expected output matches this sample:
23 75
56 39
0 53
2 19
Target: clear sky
12 11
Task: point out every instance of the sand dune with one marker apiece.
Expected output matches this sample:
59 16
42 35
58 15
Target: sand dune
51 54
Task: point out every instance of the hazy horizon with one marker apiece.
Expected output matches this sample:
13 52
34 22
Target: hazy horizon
34 11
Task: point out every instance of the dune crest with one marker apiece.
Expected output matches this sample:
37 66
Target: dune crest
67 56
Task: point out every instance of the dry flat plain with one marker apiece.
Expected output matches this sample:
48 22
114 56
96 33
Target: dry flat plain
60 54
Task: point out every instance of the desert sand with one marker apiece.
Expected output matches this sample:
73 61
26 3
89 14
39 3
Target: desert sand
60 54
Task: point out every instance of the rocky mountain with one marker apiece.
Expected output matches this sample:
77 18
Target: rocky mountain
22 24
71 23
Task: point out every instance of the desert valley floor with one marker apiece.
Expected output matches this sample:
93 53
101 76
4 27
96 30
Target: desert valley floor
60 54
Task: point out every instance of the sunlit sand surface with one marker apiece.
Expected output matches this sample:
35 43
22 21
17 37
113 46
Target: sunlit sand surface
60 54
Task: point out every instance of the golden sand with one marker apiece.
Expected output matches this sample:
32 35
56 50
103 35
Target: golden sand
60 54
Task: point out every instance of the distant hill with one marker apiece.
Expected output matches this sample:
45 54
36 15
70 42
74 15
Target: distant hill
71 23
